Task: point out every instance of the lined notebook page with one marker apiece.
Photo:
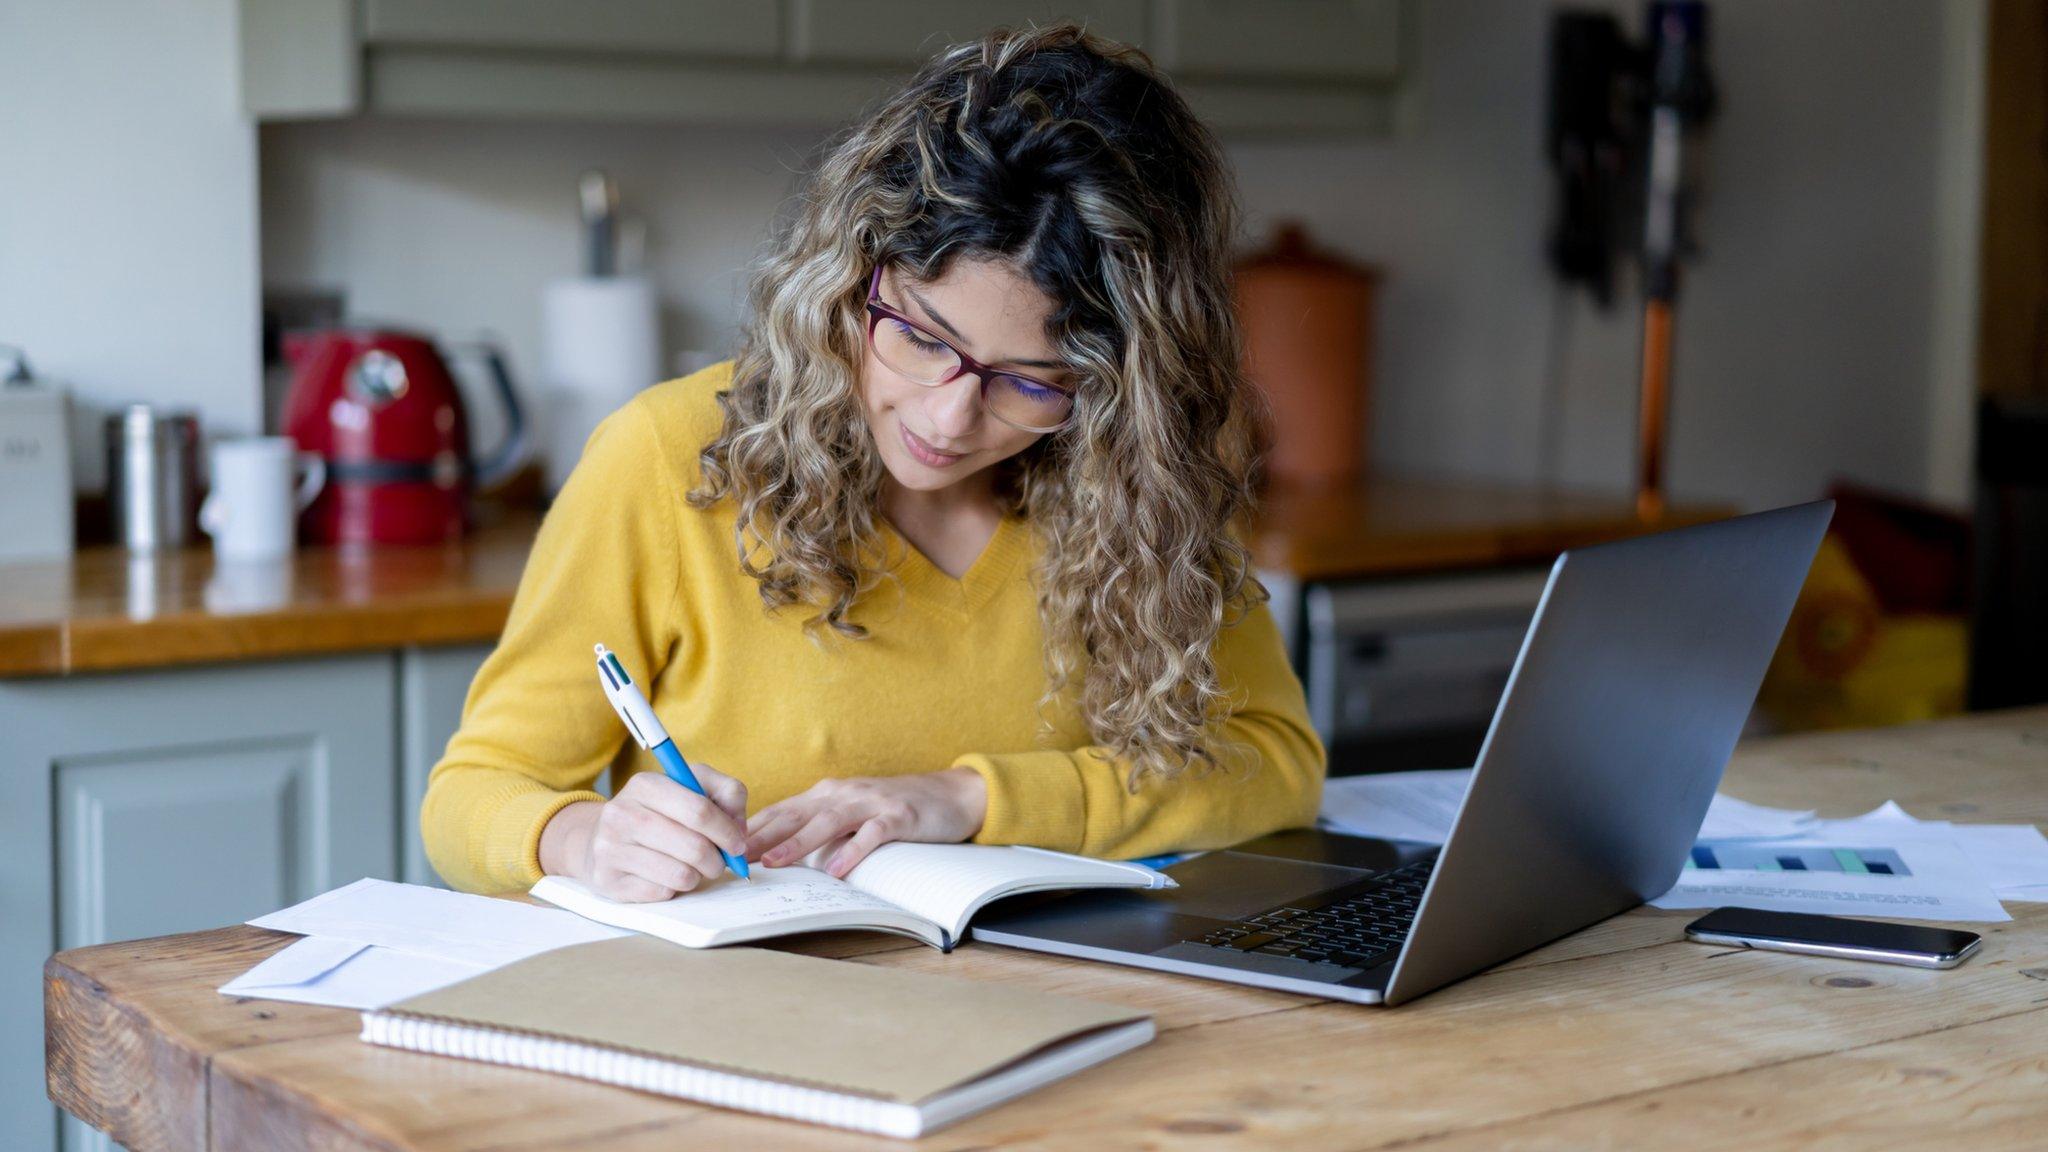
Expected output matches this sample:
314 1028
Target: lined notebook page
728 909
947 883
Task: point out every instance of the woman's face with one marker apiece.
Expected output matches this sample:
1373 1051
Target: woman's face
934 437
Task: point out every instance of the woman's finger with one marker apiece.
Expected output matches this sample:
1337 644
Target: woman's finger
726 792
627 888
658 874
649 829
667 798
772 825
830 823
870 836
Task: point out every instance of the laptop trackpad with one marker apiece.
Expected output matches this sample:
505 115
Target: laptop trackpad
1234 885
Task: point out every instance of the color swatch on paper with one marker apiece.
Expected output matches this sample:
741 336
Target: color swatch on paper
1784 858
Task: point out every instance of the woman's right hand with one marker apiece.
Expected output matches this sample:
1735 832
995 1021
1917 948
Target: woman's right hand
655 838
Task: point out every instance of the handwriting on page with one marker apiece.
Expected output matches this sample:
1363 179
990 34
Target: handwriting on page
774 894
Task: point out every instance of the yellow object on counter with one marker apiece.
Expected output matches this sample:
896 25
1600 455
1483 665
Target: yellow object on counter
951 674
1845 663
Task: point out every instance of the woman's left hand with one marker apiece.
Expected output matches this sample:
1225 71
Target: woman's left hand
943 807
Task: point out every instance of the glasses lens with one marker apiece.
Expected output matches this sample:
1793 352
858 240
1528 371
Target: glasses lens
913 353
1028 404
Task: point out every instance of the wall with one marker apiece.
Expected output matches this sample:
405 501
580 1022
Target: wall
1816 335
128 238
1805 325
457 227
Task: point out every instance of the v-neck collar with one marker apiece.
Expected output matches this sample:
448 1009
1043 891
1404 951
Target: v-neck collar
977 586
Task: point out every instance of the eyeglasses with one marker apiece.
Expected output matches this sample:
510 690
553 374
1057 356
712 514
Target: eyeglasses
908 349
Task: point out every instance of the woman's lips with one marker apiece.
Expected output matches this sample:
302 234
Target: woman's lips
926 454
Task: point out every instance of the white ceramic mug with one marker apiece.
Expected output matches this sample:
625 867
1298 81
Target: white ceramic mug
256 499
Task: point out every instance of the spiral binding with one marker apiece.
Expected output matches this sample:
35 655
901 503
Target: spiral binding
644 1073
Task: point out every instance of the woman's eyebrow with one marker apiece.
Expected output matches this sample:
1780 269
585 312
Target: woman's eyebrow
942 322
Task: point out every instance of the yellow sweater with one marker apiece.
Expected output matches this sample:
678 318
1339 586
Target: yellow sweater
950 675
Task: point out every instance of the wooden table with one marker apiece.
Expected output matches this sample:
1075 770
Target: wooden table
1623 1036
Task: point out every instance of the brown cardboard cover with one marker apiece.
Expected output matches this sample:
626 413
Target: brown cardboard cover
835 1024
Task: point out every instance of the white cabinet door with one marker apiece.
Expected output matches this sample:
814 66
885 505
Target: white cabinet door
140 804
1336 41
906 33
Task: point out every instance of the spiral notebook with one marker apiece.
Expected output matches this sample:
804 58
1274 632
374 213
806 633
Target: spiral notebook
767 1032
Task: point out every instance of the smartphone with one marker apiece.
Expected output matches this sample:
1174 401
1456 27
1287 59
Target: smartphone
1835 936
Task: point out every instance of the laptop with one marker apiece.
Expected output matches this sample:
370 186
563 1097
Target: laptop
1632 685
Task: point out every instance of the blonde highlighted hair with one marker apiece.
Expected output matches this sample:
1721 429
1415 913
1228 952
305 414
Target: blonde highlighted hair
1069 158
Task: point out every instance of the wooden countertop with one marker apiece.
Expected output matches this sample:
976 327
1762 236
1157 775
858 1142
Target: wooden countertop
1392 525
1621 1036
104 611
107 611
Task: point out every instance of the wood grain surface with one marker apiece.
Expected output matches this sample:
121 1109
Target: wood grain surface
1621 1036
106 611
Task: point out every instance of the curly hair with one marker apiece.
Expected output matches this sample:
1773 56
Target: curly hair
1071 159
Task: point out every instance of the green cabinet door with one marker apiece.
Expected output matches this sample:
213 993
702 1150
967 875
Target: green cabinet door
146 803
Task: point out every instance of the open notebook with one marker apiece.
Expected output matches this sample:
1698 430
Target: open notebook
929 891
767 1032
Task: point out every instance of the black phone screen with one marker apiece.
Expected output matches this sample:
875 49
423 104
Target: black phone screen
1808 928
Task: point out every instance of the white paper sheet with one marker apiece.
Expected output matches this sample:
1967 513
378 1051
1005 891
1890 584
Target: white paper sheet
432 922
1396 805
345 974
1942 882
1423 805
2012 857
1731 819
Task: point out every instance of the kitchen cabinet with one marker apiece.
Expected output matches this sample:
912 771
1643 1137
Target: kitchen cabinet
140 803
1247 66
432 684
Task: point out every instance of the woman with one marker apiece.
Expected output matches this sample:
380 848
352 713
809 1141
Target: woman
946 553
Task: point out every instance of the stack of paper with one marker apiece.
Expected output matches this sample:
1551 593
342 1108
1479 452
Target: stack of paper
1882 863
374 942
1876 865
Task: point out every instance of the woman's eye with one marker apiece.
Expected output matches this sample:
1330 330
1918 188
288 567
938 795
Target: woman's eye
1028 390
914 338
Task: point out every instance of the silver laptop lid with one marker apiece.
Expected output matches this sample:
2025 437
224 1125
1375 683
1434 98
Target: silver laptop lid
1631 688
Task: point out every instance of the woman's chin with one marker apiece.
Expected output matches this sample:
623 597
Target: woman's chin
918 477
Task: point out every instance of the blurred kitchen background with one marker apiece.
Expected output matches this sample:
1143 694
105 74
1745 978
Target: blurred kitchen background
218 218
1450 193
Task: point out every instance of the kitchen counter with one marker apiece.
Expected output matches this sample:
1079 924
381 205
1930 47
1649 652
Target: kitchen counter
1391 526
105 611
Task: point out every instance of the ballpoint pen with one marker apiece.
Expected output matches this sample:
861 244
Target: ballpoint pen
641 721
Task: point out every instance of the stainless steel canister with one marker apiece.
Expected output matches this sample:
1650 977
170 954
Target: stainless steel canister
153 476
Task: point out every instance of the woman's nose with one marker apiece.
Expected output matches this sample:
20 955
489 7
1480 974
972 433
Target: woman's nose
955 408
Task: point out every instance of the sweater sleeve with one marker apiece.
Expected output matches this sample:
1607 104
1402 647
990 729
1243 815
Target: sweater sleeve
536 731
1270 773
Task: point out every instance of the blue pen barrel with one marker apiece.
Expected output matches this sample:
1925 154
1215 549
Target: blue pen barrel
678 770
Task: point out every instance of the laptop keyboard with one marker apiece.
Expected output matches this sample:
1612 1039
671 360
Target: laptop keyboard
1363 927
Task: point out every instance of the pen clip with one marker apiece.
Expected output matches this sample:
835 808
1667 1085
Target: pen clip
626 700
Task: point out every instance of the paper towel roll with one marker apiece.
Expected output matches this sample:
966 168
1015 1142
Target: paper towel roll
600 344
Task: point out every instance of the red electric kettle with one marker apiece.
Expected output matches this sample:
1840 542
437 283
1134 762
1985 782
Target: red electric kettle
382 409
